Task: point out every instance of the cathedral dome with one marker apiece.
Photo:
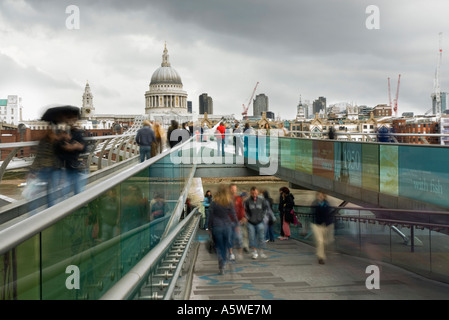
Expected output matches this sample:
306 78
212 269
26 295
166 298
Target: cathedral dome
165 74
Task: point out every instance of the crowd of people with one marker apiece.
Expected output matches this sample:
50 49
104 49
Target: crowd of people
244 222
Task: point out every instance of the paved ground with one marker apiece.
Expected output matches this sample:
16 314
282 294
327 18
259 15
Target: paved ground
291 272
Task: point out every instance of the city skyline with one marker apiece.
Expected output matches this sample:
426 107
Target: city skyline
308 49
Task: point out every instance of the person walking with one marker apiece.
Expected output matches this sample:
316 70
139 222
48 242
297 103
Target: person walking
323 226
69 151
237 237
220 136
158 144
270 219
173 131
144 138
221 217
207 201
47 168
255 209
237 138
286 204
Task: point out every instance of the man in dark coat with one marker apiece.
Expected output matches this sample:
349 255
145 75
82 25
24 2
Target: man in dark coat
323 226
144 138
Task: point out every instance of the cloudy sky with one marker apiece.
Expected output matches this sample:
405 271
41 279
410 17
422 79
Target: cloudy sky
310 48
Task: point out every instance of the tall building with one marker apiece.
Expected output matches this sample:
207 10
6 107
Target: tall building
189 106
88 109
444 100
319 105
260 104
206 104
166 92
11 110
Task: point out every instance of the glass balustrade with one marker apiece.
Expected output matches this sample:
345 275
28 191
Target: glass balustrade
85 253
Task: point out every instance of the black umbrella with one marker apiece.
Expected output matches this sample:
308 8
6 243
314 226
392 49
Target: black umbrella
57 114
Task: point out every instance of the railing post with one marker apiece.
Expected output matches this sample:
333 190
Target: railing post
7 161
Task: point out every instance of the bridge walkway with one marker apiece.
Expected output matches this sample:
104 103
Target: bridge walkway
291 272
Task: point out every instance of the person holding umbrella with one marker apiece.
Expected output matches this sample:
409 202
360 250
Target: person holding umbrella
69 146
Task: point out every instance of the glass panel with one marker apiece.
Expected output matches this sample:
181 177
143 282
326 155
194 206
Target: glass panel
19 270
416 258
439 253
286 154
347 232
423 173
370 167
323 159
388 170
76 262
303 155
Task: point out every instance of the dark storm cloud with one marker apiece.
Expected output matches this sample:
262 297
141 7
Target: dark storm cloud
311 47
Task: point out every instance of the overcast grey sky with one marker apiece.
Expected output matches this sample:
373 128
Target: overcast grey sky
310 48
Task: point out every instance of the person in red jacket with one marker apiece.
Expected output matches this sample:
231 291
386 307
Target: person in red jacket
220 136
237 235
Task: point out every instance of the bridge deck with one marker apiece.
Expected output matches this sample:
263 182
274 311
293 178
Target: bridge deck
291 272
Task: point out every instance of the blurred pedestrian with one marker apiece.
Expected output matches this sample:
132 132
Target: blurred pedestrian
270 219
255 209
70 150
157 207
186 127
282 132
144 138
158 144
134 208
238 141
237 237
323 226
221 217
108 208
220 136
206 202
46 168
244 225
172 141
286 204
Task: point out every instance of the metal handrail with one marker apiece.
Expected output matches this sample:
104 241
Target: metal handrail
383 210
130 283
375 133
100 144
14 235
387 220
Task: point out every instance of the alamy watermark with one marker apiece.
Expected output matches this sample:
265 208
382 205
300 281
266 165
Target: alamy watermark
73 21
259 150
73 280
373 280
372 22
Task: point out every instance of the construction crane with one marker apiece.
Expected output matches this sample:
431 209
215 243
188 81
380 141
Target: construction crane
397 96
437 79
395 107
245 109
389 93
